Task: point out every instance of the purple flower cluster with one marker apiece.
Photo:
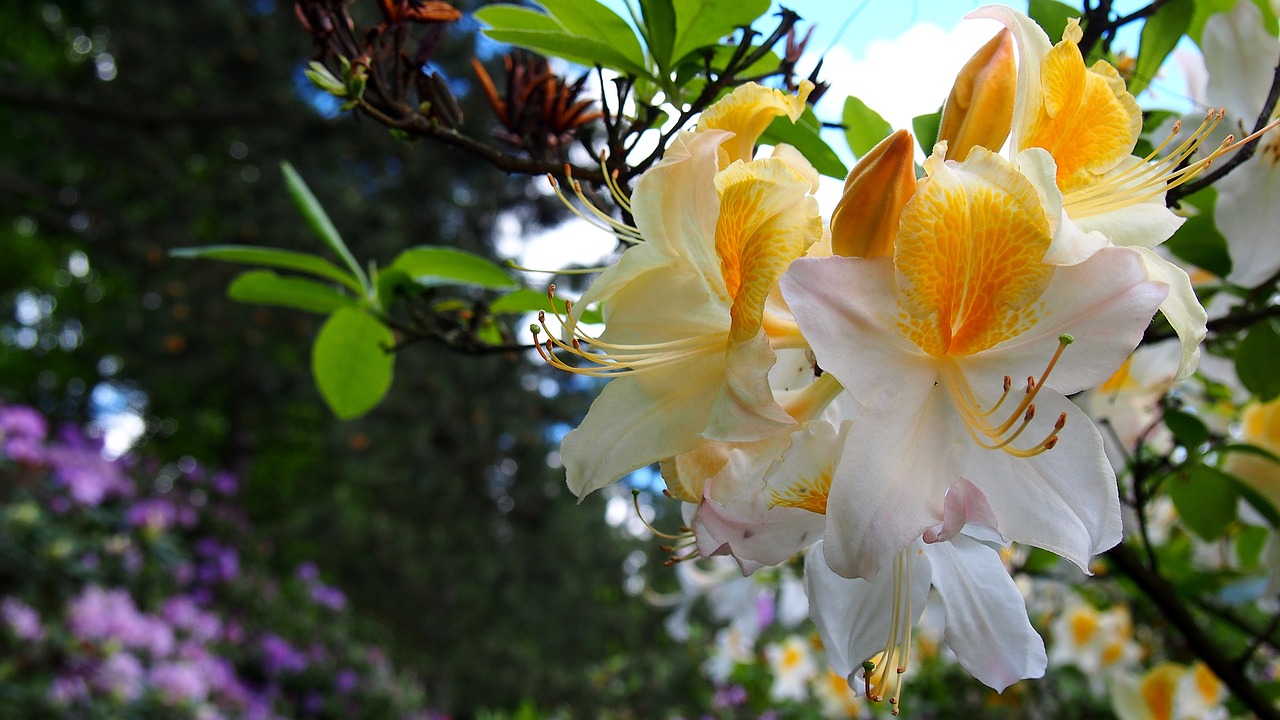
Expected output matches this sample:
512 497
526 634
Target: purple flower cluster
144 606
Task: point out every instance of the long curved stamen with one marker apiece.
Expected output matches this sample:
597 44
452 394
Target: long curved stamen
1147 180
611 182
884 675
616 358
1000 437
598 218
512 264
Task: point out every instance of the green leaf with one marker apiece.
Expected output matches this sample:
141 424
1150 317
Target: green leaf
863 127
804 135
1249 543
659 29
528 301
1256 361
1160 33
1052 16
264 287
590 19
926 129
1198 240
270 257
700 23
574 48
1190 430
515 17
351 361
319 221
430 265
1264 506
1205 499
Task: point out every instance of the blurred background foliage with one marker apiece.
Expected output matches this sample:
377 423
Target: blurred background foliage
130 129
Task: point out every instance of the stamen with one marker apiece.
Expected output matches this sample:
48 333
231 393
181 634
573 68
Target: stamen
624 233
562 271
635 502
877 682
611 182
1151 179
978 422
615 358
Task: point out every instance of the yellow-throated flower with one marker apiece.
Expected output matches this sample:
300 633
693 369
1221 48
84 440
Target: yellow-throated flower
959 348
687 341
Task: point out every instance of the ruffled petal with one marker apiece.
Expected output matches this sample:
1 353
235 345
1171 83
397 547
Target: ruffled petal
1181 308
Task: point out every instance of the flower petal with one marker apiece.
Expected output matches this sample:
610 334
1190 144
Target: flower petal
746 409
964 504
1247 214
987 625
747 112
1240 55
1181 308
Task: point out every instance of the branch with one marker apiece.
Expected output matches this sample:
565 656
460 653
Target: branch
1228 323
1243 154
1165 597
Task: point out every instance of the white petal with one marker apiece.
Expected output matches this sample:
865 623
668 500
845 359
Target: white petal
987 625
1248 214
1181 308
1241 57
746 410
965 503
853 615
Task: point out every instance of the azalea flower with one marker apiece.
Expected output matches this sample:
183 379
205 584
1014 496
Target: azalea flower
929 341
688 341
1170 691
1088 124
1128 403
1260 427
836 698
1100 643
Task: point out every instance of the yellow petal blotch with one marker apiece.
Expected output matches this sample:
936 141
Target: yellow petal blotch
970 256
767 219
747 112
1087 120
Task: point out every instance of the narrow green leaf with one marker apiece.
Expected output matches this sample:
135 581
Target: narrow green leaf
319 221
1256 361
264 287
514 17
1190 430
700 23
351 361
1160 33
1052 16
574 48
526 300
271 257
431 266
1198 240
804 136
660 30
590 19
863 127
1205 499
926 129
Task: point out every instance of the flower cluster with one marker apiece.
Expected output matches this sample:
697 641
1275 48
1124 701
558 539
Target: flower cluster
886 391
128 596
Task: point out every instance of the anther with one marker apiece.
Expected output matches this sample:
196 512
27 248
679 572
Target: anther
1031 412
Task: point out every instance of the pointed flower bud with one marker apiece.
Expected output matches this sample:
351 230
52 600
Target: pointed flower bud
979 110
865 221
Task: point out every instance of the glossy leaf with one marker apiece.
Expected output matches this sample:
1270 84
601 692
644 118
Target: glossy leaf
431 266
804 136
926 130
1160 33
1190 430
659 29
271 257
319 221
264 287
1205 499
590 19
351 362
1256 361
863 127
700 23
501 16
574 48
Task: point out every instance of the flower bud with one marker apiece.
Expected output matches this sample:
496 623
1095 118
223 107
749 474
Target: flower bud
866 219
979 110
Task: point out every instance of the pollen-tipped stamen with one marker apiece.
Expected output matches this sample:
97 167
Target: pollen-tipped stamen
611 182
635 502
598 218
611 359
878 682
1001 437
1147 180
